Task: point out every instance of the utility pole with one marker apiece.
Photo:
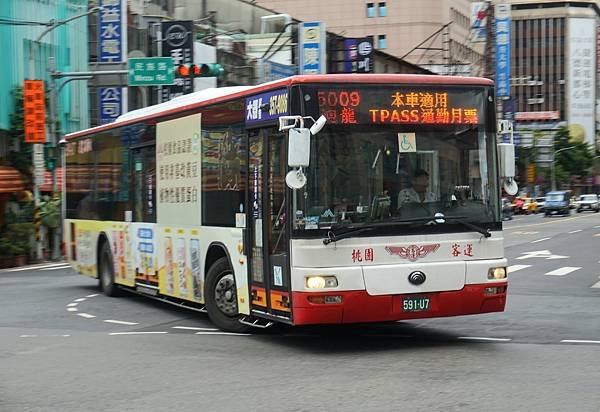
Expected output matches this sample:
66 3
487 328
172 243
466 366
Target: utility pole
53 24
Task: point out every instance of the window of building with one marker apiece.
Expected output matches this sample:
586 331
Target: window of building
370 9
382 9
381 41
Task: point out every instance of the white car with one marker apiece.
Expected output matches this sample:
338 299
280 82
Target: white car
588 202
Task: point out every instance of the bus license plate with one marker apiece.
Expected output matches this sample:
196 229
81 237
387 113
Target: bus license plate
415 304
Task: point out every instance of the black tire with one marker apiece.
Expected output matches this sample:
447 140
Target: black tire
106 272
220 296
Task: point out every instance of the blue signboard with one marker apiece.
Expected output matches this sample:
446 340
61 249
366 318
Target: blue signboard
502 50
358 55
311 46
111 38
110 99
266 106
275 71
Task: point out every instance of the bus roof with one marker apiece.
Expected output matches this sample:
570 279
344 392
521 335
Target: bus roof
215 95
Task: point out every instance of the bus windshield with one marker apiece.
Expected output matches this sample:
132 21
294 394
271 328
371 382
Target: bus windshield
373 172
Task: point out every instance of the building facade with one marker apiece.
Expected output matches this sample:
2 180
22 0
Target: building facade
433 34
28 59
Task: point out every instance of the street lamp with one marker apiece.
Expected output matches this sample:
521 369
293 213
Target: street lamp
554 160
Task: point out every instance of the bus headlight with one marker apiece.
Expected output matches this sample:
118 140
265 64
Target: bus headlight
321 282
497 273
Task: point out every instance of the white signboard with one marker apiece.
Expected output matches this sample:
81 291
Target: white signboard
582 78
38 163
178 171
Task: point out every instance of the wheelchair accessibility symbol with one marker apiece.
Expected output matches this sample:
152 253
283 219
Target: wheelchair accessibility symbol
407 142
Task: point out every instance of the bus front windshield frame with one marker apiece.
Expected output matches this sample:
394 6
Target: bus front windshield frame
397 177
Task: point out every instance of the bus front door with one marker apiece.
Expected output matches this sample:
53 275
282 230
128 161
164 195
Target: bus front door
270 284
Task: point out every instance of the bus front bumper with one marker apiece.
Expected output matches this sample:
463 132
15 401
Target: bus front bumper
358 306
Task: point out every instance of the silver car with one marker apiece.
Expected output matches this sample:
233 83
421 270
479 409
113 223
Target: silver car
588 202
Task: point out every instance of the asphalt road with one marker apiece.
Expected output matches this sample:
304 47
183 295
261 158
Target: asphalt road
64 347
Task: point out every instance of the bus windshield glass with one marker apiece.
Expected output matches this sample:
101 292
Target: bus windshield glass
399 155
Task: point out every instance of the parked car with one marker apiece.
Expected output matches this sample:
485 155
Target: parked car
507 209
588 202
541 202
557 203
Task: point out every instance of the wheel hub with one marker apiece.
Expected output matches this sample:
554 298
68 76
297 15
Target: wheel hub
225 295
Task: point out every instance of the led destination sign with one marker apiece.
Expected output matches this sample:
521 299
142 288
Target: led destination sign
395 105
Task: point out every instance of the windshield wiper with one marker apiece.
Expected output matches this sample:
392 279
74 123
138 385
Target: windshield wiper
333 237
484 231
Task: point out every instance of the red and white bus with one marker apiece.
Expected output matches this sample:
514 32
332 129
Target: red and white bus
390 209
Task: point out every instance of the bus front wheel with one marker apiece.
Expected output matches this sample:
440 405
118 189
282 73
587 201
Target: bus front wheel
106 272
221 297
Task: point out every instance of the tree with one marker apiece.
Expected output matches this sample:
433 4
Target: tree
19 159
575 161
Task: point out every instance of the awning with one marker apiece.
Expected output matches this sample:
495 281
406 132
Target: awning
10 180
47 185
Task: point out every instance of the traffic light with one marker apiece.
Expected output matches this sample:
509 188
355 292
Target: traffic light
49 156
203 70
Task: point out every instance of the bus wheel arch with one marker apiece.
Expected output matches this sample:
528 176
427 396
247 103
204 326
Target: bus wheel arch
220 290
105 267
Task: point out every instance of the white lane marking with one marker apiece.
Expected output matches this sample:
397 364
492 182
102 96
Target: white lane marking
597 227
514 268
34 267
596 285
72 309
60 336
541 254
28 336
72 304
120 322
223 333
86 315
137 333
575 231
192 328
562 271
541 240
79 300
484 339
579 341
92 296
57 268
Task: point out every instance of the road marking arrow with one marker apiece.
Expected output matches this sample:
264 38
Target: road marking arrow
545 254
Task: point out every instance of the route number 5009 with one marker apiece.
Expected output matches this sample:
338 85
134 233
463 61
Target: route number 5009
339 98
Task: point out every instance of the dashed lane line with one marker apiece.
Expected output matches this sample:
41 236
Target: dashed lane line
86 315
137 333
562 271
541 240
120 322
194 328
579 341
34 267
575 231
484 339
57 267
514 268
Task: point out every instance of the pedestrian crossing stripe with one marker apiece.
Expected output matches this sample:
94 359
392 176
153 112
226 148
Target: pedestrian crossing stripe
514 268
562 271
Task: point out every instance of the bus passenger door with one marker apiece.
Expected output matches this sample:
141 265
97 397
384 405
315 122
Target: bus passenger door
269 267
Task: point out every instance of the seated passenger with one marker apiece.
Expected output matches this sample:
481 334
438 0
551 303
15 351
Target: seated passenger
418 192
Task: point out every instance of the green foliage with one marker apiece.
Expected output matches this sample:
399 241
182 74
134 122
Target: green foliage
50 212
15 239
21 160
574 161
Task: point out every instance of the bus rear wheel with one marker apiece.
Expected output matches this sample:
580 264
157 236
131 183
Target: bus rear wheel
221 297
106 272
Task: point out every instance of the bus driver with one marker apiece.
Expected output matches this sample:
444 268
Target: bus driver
418 192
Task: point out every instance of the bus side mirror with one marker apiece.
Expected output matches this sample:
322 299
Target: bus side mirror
298 156
298 147
506 155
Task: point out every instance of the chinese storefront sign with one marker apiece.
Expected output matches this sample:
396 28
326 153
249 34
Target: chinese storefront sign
110 103
178 43
266 106
581 77
502 50
311 46
478 21
178 171
34 110
358 55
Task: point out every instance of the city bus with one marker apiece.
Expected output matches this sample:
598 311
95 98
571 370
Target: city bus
315 199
